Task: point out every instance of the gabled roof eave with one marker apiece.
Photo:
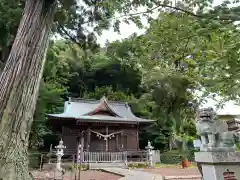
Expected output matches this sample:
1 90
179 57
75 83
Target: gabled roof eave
99 119
104 100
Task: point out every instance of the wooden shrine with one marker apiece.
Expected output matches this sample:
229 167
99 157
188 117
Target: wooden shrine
106 126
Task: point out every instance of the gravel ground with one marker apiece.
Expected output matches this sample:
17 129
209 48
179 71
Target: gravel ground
175 173
171 173
85 175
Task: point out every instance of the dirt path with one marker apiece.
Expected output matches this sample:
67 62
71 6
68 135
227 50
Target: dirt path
98 175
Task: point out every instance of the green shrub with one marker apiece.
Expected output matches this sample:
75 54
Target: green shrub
137 165
175 157
238 147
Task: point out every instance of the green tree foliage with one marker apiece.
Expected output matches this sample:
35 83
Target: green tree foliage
202 53
69 73
156 88
10 13
108 93
145 99
155 68
80 22
156 72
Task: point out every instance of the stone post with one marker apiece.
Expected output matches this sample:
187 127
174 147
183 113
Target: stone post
59 154
217 159
215 165
149 149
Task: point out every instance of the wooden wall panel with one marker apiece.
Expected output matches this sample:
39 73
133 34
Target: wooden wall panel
126 141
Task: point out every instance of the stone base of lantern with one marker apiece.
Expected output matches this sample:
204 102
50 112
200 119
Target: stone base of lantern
58 174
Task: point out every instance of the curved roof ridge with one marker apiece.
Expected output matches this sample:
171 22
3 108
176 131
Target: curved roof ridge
77 108
96 100
104 100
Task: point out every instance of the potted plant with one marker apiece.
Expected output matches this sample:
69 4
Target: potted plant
184 161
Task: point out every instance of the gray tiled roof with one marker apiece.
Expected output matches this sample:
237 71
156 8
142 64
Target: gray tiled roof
79 109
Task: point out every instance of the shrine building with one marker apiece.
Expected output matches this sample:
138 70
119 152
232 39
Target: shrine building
104 125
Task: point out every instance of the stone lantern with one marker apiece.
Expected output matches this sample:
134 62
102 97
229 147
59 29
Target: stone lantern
149 149
59 154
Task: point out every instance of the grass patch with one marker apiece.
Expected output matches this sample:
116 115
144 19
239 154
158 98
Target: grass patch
137 165
157 165
71 167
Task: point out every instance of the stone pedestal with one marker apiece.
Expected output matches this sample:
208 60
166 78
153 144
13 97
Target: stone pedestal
219 165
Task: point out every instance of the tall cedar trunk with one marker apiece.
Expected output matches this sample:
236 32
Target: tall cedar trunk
19 84
1 67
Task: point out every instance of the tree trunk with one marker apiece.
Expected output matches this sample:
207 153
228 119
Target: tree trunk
19 84
1 67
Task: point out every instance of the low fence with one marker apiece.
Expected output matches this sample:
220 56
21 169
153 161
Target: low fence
142 156
36 160
129 156
136 156
102 157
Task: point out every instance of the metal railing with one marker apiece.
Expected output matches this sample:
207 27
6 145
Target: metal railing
89 157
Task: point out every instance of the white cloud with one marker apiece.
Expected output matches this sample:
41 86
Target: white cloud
126 30
227 108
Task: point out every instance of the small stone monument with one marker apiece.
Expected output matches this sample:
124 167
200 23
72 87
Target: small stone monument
217 156
149 149
59 154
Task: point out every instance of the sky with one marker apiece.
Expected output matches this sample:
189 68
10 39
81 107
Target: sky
127 30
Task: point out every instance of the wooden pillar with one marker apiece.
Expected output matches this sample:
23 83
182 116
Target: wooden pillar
62 132
88 139
137 136
106 139
117 145
122 140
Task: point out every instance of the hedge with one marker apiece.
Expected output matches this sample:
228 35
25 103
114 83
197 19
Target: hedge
175 158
